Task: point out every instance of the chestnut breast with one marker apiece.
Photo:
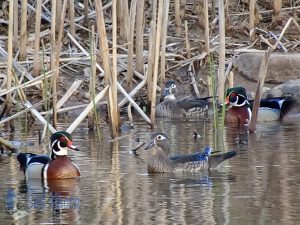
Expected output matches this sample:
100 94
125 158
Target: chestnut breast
62 167
237 115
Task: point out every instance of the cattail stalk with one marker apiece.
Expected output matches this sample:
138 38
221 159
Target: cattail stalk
53 61
252 19
112 105
177 17
72 17
130 44
221 74
85 12
23 34
92 77
277 9
187 43
156 61
16 25
151 57
163 42
114 61
10 59
206 22
140 36
36 56
260 85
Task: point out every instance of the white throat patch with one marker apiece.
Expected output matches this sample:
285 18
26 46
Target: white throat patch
62 150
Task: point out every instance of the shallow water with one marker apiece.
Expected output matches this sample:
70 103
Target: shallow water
260 185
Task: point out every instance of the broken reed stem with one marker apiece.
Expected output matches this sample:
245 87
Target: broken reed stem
260 84
252 19
36 57
10 60
282 32
85 112
16 25
139 45
53 60
130 44
177 17
151 57
92 78
7 144
85 13
151 53
230 79
133 92
221 74
156 60
23 33
154 9
112 105
123 19
58 14
187 43
138 109
206 21
129 113
28 105
277 5
194 83
114 80
163 42
84 52
72 17
58 47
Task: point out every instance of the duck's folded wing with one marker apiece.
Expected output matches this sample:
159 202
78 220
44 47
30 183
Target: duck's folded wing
193 103
28 158
198 156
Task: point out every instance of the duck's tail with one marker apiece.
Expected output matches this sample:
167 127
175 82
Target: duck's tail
216 160
23 160
288 105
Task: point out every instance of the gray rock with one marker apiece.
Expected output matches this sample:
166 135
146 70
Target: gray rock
289 88
282 67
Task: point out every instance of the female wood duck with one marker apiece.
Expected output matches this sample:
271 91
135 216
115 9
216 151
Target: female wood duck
187 107
270 109
199 161
58 165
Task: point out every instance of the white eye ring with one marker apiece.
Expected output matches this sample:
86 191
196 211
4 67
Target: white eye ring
173 86
159 137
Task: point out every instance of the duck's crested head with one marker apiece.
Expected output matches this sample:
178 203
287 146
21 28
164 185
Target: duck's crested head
170 90
236 96
159 139
60 142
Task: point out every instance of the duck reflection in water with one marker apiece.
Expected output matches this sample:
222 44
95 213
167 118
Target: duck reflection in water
52 196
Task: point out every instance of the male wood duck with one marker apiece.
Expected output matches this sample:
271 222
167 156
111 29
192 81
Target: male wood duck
58 165
270 109
170 106
196 162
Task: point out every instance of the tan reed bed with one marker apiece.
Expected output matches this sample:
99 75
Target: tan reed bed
141 42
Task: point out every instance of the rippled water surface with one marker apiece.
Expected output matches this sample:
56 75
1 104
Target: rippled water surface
261 185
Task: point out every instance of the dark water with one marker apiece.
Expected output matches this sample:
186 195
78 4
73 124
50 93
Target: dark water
261 185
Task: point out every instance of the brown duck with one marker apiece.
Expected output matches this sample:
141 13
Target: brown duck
159 162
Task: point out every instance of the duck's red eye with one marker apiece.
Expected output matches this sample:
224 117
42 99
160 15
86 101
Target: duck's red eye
63 139
233 94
